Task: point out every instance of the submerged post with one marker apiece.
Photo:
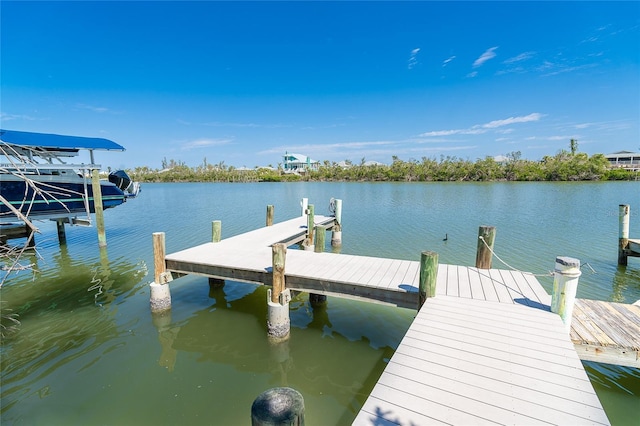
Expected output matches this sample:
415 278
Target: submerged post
97 202
623 234
278 407
428 276
270 215
160 294
336 233
565 286
484 253
62 236
278 297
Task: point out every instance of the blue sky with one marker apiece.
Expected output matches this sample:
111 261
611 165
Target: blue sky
244 82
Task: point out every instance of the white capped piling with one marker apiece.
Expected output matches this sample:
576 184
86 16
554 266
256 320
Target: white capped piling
278 297
160 295
336 232
565 286
623 234
484 251
97 202
281 406
304 203
216 236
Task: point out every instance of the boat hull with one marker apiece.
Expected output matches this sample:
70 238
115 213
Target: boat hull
44 198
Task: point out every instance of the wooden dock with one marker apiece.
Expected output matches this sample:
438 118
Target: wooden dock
486 349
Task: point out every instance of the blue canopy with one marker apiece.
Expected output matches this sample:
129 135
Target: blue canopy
51 141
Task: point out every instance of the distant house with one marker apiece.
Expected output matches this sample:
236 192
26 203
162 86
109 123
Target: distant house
299 163
624 159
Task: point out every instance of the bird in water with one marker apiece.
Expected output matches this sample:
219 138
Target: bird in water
446 237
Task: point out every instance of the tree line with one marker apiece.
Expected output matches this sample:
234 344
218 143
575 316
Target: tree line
564 166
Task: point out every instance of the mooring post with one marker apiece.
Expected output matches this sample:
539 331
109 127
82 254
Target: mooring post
216 231
428 276
97 202
623 234
62 236
269 215
160 294
484 252
304 203
278 297
216 236
336 232
308 243
278 407
565 286
321 233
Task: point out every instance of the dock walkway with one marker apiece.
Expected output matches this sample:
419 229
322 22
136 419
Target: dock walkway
486 349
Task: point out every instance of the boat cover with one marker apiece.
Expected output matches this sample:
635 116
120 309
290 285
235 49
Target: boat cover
51 141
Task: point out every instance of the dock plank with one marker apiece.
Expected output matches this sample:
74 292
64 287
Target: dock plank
495 392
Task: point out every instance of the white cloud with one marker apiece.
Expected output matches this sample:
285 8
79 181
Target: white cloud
9 117
512 120
488 54
413 58
446 61
484 128
204 143
519 58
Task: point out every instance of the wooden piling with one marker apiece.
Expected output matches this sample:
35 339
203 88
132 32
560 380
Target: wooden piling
310 223
278 407
97 202
428 276
321 233
279 254
160 299
565 286
484 252
623 234
216 231
270 215
336 232
62 236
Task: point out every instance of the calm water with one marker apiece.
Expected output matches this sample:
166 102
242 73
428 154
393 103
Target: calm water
88 351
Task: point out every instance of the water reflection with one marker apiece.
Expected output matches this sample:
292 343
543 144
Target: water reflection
212 334
63 316
626 285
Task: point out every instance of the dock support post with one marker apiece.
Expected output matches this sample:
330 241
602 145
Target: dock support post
565 285
216 231
308 243
270 215
484 253
216 236
97 202
623 234
321 233
278 407
428 276
278 297
336 233
62 236
304 203
160 294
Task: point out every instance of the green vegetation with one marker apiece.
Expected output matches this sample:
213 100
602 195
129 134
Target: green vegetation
564 166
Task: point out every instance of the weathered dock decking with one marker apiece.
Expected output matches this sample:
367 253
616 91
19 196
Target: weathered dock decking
486 349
